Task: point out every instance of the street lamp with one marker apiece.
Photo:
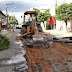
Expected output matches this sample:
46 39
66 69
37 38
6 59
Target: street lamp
9 4
12 9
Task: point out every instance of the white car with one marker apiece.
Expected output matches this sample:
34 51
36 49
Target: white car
18 26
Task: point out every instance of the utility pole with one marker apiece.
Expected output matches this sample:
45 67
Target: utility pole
56 3
6 10
54 26
6 14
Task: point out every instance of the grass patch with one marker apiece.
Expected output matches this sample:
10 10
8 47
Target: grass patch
4 42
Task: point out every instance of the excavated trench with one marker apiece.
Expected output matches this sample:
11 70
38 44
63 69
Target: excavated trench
56 56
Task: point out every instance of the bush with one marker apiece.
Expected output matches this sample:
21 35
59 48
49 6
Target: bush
4 42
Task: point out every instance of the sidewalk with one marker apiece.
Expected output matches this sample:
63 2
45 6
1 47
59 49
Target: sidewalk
12 57
12 37
59 33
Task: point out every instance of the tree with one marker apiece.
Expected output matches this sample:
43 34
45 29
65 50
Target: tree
41 17
70 11
9 17
47 14
13 20
37 10
64 12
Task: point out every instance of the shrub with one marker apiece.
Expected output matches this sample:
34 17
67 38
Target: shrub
4 42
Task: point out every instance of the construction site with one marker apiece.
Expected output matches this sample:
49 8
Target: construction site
35 35
45 52
54 58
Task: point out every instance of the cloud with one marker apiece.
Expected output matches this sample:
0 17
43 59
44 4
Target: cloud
27 4
20 6
23 5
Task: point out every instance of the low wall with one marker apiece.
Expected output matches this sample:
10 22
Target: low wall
61 25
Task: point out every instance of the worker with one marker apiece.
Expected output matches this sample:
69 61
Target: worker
30 18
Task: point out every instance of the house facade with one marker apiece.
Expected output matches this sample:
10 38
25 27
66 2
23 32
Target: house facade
2 19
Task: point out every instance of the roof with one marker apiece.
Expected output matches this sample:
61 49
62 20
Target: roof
2 13
30 12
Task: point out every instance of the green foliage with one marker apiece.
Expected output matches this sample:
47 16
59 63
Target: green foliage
9 17
47 11
47 15
64 12
70 11
13 20
4 42
37 10
41 17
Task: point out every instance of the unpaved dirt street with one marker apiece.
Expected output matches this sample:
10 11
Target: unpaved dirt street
56 58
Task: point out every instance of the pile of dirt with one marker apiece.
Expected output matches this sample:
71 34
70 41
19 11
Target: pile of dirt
56 58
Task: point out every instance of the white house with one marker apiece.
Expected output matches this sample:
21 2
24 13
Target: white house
60 25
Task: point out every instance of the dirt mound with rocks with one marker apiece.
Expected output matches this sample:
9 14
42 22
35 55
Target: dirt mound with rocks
56 58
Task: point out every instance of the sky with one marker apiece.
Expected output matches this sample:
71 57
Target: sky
23 5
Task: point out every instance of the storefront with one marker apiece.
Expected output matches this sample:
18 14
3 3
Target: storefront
2 19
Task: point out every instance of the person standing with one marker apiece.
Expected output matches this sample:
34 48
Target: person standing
30 18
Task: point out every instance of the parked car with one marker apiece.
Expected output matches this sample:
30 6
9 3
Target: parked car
18 26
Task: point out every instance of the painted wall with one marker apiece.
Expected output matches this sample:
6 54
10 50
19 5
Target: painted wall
61 25
69 25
